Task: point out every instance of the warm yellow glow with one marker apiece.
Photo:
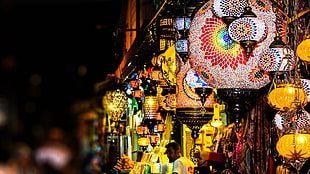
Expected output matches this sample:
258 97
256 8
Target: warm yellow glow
143 141
284 96
115 103
294 146
216 119
303 49
150 106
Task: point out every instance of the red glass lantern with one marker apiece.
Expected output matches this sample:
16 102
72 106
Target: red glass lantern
154 140
138 93
135 83
142 130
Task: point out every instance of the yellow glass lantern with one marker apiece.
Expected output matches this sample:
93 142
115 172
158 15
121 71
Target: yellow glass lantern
284 97
294 146
115 103
150 107
303 49
144 141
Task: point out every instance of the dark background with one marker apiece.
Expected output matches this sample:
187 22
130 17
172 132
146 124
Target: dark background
46 46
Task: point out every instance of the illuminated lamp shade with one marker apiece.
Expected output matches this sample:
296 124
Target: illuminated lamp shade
150 107
156 74
247 31
135 83
294 146
138 93
274 59
284 96
182 23
144 141
181 46
142 130
228 10
303 49
154 140
160 127
115 103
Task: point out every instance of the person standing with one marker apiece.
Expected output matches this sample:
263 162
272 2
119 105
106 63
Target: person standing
181 165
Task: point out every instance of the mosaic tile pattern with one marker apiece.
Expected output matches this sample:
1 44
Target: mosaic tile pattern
220 61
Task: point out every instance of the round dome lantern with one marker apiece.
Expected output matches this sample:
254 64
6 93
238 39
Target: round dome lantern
284 96
294 146
303 49
274 59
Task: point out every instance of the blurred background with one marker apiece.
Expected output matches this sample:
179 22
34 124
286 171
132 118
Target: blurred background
53 52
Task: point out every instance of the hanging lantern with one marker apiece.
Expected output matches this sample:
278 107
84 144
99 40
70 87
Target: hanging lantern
144 142
294 146
154 140
276 59
303 49
135 83
247 30
228 10
156 74
142 130
150 108
284 97
115 103
138 93
182 23
305 84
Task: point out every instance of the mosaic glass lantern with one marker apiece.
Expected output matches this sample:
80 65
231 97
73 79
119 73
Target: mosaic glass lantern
115 103
303 49
228 10
247 31
284 97
305 84
275 59
294 146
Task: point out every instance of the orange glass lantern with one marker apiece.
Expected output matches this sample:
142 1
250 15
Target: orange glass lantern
294 146
154 140
135 83
303 49
284 96
138 93
142 130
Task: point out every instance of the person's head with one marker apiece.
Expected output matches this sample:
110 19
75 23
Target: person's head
173 151
203 158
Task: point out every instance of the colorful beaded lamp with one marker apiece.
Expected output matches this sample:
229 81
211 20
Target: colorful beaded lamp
219 60
273 59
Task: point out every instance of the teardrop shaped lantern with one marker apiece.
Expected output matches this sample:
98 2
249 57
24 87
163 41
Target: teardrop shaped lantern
247 30
303 49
